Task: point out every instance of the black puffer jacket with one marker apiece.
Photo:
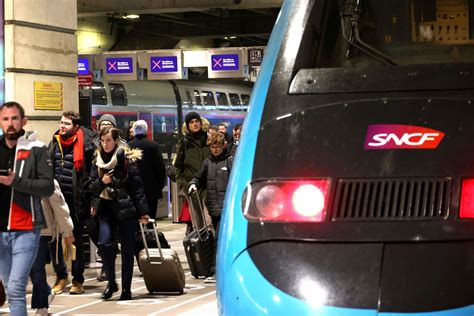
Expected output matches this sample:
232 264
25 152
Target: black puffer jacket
70 180
214 176
129 197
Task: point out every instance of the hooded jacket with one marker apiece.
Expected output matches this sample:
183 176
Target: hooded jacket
33 180
214 176
126 182
189 158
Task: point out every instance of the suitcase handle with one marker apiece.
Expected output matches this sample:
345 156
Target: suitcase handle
194 215
142 228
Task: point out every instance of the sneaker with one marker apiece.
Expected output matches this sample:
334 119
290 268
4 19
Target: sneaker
211 279
59 285
42 311
76 288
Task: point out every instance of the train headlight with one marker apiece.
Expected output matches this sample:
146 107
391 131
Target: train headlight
288 200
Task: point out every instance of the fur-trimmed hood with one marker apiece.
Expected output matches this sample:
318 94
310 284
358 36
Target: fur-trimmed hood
132 154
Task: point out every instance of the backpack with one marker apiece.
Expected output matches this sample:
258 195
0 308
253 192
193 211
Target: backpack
171 169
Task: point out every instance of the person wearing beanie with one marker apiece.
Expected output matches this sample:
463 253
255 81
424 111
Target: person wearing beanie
192 116
191 152
106 120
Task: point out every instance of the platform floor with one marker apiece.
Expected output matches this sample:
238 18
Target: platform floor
199 298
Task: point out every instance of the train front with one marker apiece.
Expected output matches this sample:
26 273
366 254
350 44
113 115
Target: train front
353 188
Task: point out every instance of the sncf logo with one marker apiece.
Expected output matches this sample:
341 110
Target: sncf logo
394 136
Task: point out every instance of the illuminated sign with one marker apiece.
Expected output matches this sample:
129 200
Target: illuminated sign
394 136
164 63
122 65
82 66
225 62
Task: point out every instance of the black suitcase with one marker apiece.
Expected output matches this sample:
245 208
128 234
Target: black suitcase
199 246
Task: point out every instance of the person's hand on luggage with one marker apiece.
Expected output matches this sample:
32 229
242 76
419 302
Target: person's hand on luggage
69 240
93 211
192 188
144 219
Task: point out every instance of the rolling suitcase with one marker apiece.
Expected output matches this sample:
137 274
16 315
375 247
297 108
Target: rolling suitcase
161 268
199 246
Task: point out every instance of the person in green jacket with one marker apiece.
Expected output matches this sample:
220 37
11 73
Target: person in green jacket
191 152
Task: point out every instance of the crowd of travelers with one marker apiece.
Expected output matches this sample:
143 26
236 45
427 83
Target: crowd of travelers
95 181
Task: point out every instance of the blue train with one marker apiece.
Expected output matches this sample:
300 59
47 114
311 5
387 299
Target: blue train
352 191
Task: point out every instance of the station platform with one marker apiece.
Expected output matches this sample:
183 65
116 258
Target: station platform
199 298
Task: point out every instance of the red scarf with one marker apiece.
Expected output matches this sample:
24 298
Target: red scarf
78 151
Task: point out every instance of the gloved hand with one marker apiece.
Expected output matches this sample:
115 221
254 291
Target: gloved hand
192 188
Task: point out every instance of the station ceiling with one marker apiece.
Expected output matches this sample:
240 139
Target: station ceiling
166 24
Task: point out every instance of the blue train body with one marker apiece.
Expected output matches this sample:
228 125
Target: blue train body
398 234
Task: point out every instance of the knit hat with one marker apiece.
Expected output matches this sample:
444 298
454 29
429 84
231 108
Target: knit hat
140 127
190 116
107 118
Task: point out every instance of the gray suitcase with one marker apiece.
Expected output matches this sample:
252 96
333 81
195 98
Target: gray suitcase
161 268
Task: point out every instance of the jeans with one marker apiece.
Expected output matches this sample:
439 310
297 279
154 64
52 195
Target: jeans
108 235
41 289
18 251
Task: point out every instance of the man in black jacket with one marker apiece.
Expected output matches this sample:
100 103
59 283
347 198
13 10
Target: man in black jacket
152 167
72 151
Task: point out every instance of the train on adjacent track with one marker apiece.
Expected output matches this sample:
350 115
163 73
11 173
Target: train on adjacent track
223 101
355 186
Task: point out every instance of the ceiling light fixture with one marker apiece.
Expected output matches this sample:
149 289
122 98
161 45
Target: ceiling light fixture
132 16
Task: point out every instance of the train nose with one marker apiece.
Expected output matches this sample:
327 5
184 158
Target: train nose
374 277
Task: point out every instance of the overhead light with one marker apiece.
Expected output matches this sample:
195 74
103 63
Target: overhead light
132 16
233 37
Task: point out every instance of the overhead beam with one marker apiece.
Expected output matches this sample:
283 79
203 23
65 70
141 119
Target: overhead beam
90 8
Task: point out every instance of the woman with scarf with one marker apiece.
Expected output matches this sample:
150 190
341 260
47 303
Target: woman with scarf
118 202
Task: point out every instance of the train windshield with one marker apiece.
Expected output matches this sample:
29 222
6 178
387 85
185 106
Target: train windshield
372 32
367 45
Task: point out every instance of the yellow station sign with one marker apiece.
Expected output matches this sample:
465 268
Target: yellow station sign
48 95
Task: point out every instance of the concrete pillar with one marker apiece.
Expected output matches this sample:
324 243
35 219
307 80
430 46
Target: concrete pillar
41 52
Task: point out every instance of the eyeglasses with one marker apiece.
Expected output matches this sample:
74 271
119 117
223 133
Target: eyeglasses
65 123
216 147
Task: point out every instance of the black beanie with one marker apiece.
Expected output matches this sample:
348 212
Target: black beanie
190 116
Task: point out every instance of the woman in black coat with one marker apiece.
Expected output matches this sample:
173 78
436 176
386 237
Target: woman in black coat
118 201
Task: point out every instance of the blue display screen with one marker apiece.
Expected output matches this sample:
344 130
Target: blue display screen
164 64
225 62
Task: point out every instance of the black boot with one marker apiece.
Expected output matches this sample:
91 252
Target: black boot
126 295
109 290
102 276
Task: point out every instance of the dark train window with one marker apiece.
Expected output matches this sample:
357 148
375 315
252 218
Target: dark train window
221 98
118 94
234 99
189 100
197 96
208 98
245 99
98 93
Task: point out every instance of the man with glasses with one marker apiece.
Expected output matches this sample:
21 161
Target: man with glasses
72 152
